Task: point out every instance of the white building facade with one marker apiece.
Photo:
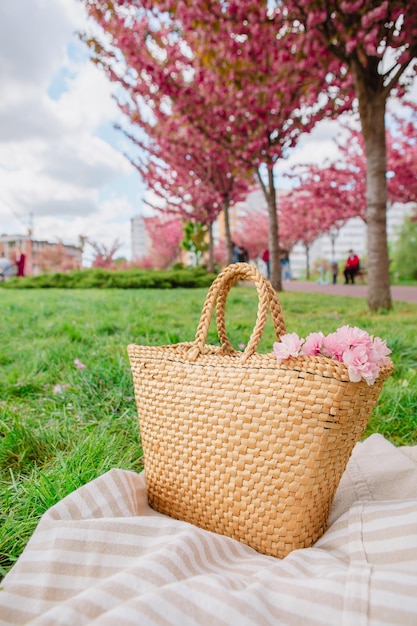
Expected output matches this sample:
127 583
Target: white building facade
139 237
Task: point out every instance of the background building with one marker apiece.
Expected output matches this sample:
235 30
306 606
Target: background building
139 237
41 256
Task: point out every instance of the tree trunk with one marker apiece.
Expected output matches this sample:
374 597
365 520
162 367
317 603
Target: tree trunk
227 234
372 115
273 230
210 262
307 247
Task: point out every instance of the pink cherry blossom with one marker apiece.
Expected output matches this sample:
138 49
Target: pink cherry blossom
313 344
290 345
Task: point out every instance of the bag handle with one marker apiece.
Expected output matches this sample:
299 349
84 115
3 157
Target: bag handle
217 294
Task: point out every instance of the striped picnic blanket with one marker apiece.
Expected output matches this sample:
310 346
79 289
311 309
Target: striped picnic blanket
101 556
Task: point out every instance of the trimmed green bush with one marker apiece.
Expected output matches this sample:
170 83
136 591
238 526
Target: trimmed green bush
109 279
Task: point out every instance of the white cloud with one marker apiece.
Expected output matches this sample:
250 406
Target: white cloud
113 226
317 147
88 101
33 37
55 169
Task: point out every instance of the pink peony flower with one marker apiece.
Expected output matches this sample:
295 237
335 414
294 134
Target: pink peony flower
313 344
344 338
333 347
290 345
379 351
359 366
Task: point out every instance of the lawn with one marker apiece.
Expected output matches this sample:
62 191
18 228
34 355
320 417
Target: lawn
67 411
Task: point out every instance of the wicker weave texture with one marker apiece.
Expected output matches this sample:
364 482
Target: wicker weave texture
240 444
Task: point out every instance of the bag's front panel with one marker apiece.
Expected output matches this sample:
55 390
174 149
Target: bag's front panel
253 453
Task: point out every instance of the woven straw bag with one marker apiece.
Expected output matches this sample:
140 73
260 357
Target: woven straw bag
238 443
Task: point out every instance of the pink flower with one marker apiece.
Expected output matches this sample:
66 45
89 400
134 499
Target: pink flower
79 365
290 345
359 366
362 354
379 351
344 338
333 347
313 344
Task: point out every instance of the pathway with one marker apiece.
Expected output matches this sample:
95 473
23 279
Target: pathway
398 292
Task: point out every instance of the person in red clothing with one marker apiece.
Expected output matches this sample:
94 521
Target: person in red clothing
351 267
265 259
20 264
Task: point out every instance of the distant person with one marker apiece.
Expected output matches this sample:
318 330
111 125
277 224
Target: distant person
20 264
5 266
235 253
351 267
285 265
242 255
324 274
265 259
334 268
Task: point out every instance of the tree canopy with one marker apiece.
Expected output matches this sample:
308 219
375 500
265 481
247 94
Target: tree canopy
245 79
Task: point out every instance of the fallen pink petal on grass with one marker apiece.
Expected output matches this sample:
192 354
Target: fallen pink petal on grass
58 388
79 365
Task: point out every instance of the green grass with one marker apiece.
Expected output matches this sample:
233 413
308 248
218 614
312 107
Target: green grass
61 427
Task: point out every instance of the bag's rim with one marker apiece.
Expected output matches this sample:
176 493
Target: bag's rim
212 356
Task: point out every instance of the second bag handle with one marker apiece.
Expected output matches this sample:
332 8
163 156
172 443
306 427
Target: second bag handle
217 295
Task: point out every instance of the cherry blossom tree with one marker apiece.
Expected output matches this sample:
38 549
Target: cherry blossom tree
303 220
370 46
402 156
53 258
254 104
190 177
254 75
375 44
252 232
165 234
104 255
338 190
